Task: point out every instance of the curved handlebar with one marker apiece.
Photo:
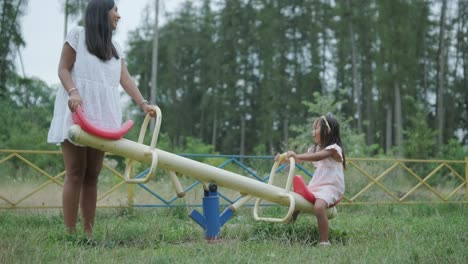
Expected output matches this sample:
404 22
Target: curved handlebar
154 162
80 119
292 202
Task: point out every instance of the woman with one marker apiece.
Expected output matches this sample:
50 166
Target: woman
91 68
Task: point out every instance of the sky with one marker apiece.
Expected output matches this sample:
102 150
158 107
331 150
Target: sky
43 25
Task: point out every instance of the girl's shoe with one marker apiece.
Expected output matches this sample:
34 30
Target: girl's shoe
324 244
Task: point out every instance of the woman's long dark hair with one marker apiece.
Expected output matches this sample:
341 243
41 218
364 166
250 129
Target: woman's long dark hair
98 29
330 133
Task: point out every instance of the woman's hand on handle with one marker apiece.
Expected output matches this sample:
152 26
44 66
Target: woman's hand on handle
148 109
74 100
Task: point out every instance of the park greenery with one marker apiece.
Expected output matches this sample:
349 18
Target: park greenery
370 234
247 77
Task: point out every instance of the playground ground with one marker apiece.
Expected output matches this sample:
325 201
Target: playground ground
435 233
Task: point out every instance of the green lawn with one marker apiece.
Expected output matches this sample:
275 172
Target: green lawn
359 234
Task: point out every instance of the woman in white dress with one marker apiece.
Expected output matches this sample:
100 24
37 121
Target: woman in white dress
91 68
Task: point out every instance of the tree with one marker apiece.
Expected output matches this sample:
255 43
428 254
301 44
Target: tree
459 120
235 76
26 115
72 9
10 40
441 69
154 64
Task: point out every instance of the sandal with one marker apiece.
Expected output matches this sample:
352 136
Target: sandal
324 244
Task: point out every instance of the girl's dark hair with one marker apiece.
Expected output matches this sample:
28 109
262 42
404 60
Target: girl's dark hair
98 29
330 133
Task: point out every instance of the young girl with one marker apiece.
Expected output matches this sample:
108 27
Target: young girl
326 187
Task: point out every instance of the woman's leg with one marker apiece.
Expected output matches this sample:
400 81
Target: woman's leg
75 164
89 188
320 208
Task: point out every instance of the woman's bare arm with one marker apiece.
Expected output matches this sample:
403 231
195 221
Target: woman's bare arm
132 90
67 60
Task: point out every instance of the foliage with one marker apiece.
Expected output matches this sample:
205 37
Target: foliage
74 8
453 150
31 106
10 41
243 77
27 116
353 143
419 136
234 76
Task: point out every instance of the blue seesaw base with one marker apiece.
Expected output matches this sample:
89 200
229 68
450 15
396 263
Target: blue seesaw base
211 221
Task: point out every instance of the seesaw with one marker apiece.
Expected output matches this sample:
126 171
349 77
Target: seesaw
175 164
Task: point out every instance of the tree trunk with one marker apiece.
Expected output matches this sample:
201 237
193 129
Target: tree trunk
370 131
65 22
441 61
356 88
242 138
214 130
21 61
323 58
154 65
388 129
398 117
286 132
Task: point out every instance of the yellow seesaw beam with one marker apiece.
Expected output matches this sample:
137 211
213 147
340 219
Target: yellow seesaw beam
203 172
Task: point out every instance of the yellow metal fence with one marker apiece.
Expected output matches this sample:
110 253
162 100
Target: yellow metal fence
34 179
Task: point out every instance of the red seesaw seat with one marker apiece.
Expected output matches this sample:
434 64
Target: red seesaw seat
80 119
300 187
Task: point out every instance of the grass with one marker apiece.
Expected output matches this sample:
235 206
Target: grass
371 234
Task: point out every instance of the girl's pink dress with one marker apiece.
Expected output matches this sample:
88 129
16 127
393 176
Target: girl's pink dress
327 182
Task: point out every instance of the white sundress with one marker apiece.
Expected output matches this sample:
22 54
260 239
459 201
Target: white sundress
98 85
327 182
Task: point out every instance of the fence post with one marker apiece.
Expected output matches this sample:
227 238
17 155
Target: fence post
130 195
466 179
